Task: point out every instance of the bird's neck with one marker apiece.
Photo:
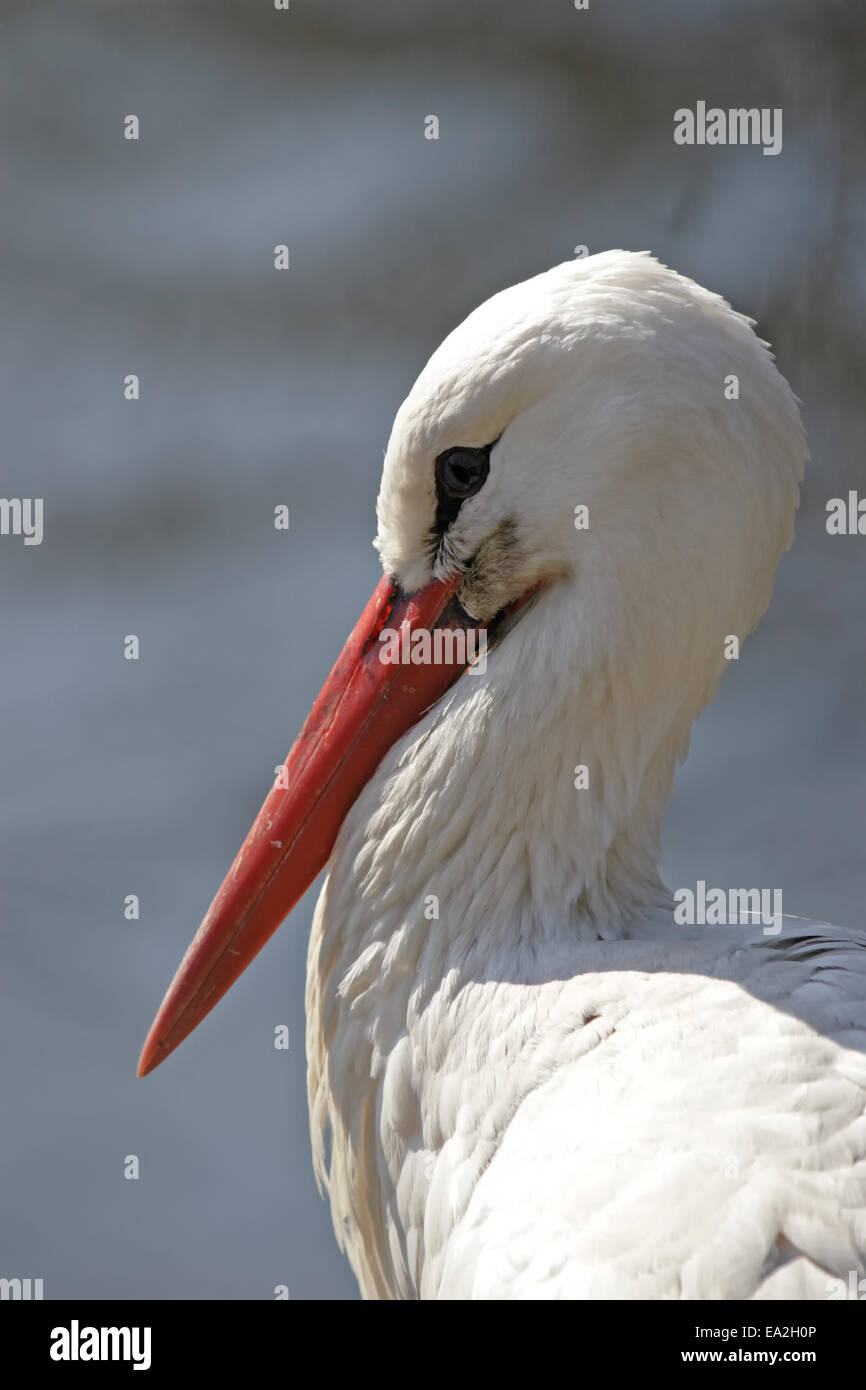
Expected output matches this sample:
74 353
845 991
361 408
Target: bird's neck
515 824
521 816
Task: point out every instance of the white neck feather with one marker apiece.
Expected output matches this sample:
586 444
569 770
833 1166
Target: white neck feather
476 811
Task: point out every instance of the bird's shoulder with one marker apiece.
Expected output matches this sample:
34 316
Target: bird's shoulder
690 1124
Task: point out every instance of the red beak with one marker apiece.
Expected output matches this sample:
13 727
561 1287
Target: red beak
365 705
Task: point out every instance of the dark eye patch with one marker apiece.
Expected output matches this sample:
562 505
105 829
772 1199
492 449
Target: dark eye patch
460 473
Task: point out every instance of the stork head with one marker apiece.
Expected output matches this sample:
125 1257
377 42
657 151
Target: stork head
606 411
608 443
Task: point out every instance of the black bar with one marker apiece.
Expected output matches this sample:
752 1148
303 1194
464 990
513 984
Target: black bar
227 1338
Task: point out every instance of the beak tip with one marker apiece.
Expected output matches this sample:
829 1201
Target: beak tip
151 1055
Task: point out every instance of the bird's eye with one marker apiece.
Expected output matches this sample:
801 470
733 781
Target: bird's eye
461 473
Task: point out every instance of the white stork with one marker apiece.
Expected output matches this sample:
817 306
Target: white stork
526 1078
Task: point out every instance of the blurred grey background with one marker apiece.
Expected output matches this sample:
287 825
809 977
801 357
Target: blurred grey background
257 388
